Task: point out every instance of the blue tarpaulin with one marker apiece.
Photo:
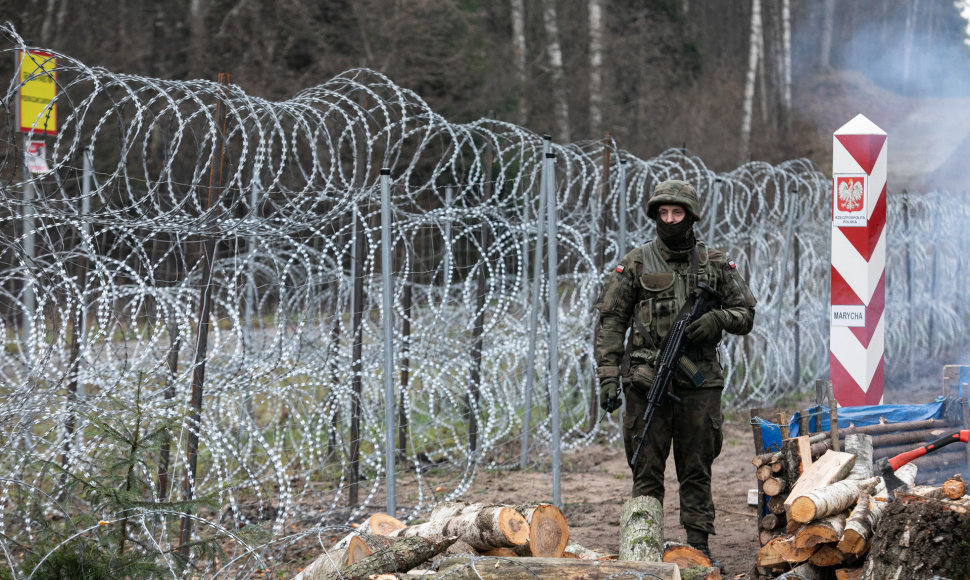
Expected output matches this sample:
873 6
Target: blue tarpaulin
848 416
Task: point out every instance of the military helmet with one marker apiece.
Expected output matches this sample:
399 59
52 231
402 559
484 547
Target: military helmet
676 192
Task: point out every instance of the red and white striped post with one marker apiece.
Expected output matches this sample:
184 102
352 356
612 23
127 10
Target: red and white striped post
857 327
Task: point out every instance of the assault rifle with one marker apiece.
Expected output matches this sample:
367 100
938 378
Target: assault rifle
703 299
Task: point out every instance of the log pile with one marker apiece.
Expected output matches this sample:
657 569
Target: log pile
502 541
822 509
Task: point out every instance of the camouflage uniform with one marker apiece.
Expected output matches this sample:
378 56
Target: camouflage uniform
644 294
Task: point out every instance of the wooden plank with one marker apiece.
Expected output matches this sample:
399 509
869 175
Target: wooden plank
830 467
804 452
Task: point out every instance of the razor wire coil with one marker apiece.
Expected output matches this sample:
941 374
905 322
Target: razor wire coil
102 282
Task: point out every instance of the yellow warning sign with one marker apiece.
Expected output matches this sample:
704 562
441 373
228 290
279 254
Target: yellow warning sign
38 87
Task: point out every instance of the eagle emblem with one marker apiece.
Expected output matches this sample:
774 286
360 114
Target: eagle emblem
850 194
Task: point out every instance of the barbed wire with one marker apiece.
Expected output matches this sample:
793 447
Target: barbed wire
103 279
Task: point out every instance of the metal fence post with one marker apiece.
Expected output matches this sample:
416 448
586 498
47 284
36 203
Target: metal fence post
534 311
388 324
553 259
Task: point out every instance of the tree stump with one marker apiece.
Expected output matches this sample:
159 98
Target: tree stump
918 538
642 530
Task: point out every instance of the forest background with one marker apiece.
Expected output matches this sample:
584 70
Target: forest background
730 80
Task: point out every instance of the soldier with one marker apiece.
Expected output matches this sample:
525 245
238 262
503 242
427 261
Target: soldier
644 294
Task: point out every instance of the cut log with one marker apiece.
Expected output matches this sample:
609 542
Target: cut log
927 491
458 548
830 499
919 534
860 445
357 550
776 504
771 521
329 561
500 553
381 524
401 556
548 531
584 553
482 527
858 526
830 467
894 427
804 571
774 486
782 550
955 487
822 531
828 555
642 529
685 556
848 573
763 472
765 536
450 509
795 456
459 568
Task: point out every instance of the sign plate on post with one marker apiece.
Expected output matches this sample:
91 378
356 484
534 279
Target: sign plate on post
850 193
38 87
849 315
37 157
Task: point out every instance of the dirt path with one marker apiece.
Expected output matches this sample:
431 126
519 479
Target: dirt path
596 482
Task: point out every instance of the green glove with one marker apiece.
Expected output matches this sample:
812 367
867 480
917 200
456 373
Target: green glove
609 394
706 329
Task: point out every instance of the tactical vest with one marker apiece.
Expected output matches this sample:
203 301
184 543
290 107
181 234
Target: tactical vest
662 289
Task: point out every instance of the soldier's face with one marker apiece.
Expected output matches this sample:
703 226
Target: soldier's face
671 213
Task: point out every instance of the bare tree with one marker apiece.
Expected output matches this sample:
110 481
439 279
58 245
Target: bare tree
197 37
908 42
554 54
519 50
595 66
53 20
749 84
785 60
828 23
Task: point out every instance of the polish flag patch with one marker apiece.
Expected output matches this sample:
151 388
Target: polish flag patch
732 265
620 268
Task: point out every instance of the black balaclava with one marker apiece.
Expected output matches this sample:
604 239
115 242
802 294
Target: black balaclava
679 237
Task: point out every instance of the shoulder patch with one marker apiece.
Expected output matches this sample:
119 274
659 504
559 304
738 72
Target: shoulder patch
619 268
732 265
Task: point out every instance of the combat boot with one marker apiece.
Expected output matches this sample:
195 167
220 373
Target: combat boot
704 549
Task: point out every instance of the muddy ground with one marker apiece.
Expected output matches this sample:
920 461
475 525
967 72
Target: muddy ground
596 482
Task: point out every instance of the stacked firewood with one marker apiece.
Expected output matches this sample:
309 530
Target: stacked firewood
531 541
824 506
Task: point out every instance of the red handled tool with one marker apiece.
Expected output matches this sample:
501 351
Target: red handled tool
887 466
